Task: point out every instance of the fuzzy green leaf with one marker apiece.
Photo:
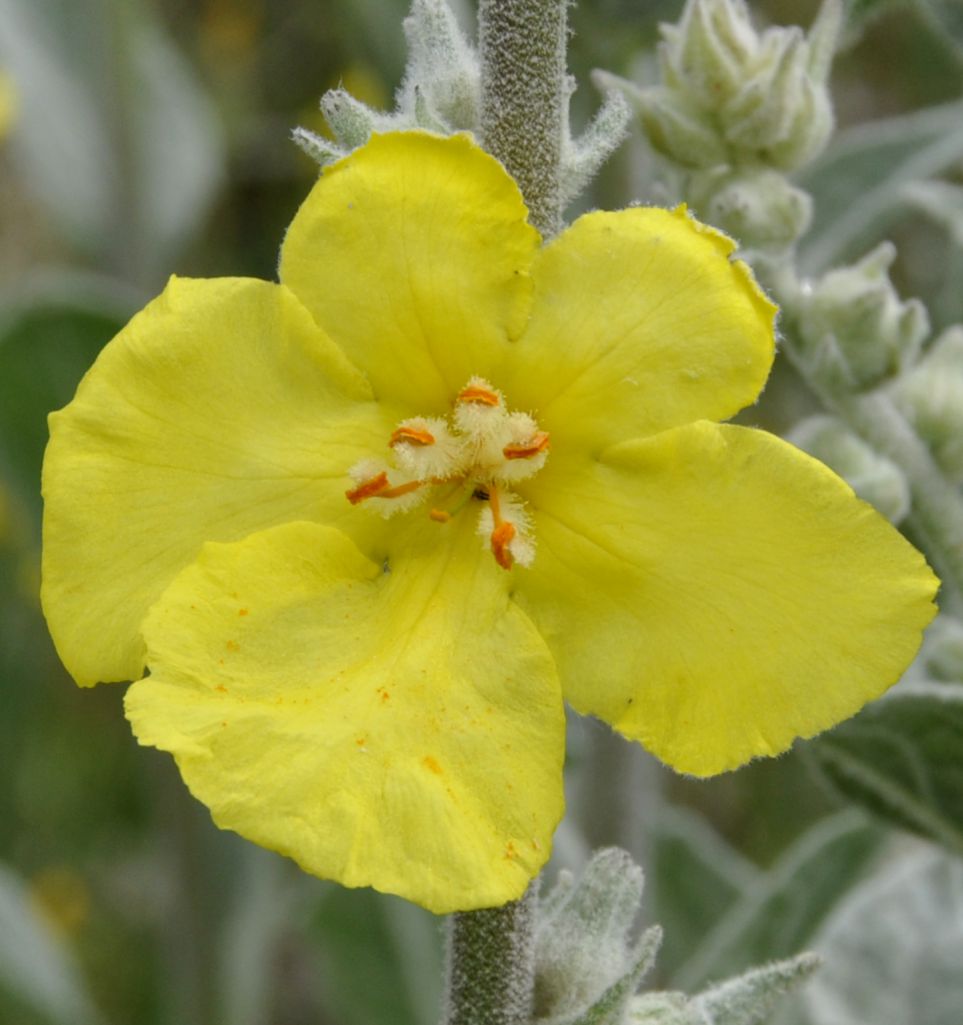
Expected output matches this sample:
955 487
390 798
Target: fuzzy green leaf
696 878
381 957
585 969
780 914
893 950
610 1007
858 183
902 757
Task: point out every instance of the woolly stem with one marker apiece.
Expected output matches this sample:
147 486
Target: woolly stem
524 98
490 970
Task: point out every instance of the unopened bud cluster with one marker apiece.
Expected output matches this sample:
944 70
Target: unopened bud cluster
732 95
737 109
855 331
872 476
756 205
931 395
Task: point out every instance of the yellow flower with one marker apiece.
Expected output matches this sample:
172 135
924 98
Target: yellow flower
366 527
8 104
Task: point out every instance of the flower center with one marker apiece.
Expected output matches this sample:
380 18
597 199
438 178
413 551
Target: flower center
477 454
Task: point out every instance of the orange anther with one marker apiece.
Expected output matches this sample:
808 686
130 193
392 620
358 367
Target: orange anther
366 489
501 536
539 443
481 396
439 515
413 436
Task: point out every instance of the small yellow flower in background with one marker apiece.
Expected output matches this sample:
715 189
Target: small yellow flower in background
8 104
366 528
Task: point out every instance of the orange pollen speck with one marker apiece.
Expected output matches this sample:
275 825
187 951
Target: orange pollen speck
501 537
373 486
413 436
481 396
439 515
537 445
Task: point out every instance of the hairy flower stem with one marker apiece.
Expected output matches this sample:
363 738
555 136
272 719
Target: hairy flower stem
490 973
524 99
490 970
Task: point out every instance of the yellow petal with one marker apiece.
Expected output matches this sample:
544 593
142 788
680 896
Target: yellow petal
413 254
640 322
392 726
714 593
219 410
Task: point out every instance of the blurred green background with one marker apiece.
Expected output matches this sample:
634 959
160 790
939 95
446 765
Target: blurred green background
150 137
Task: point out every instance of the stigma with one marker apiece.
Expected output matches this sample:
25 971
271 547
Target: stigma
474 456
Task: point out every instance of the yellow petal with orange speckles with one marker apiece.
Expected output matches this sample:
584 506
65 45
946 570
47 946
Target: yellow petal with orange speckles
399 727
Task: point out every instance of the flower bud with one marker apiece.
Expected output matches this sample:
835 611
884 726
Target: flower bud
872 476
942 654
732 95
757 207
932 397
710 49
854 318
781 116
679 129
443 74
350 120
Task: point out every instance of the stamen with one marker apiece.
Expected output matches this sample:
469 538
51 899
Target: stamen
502 536
368 489
478 455
402 489
536 446
412 435
479 395
378 487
